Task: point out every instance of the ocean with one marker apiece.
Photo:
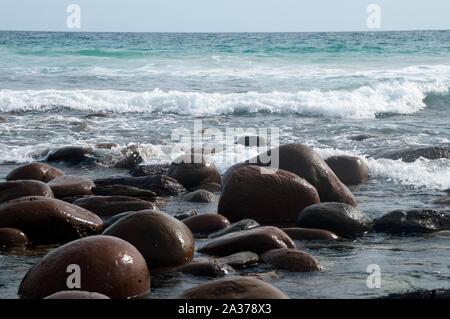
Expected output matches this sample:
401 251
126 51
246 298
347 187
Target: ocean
319 89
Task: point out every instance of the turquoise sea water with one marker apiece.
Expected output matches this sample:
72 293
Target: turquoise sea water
316 88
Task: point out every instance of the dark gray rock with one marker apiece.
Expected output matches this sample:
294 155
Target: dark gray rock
241 259
237 226
200 196
411 155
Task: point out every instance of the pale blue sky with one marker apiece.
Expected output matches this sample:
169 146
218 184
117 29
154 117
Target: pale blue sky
224 15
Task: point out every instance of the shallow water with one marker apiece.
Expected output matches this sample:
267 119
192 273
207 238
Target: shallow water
317 89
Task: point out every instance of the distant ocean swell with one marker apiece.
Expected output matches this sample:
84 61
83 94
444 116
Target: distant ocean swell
396 97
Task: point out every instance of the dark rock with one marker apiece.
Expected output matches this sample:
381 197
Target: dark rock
362 137
133 155
48 220
412 221
306 163
163 240
206 223
210 187
349 169
237 226
200 196
194 170
106 146
186 215
234 288
251 141
411 155
226 176
298 233
22 188
71 154
343 219
206 269
12 237
240 260
147 170
76 294
68 185
122 190
265 195
162 185
258 240
108 265
291 259
115 218
113 205
98 115
35 171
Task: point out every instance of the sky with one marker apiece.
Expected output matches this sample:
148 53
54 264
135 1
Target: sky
224 15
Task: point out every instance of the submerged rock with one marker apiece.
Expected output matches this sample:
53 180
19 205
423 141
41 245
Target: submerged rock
22 188
257 240
35 171
147 170
200 196
47 220
71 154
122 190
265 195
412 221
206 223
206 269
362 137
340 218
234 288
107 265
163 240
349 169
291 259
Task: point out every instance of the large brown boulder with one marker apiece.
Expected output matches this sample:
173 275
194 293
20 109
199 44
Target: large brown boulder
107 265
163 240
349 169
237 287
265 195
193 170
48 220
69 185
16 189
257 240
12 237
206 223
306 163
343 219
36 171
113 205
291 259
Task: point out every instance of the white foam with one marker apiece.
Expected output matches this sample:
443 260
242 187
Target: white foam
364 102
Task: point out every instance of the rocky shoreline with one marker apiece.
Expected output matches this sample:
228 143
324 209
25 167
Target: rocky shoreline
117 226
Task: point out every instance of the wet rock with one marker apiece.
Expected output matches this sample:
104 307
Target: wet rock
76 294
193 170
186 215
48 220
206 223
237 226
234 288
113 205
122 190
412 221
206 269
298 233
133 155
35 171
343 219
265 195
240 260
163 240
200 196
226 176
162 185
362 137
306 163
22 188
115 218
291 259
12 237
210 187
106 146
411 155
350 170
68 185
147 170
70 154
258 240
107 265
251 141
